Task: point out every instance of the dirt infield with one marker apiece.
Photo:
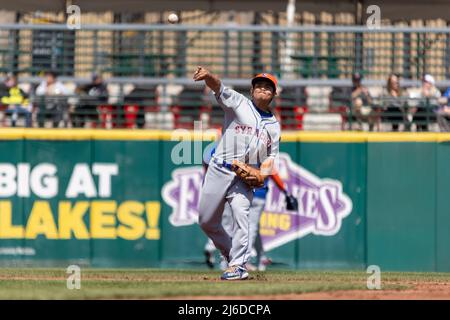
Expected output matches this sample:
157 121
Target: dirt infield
418 291
28 283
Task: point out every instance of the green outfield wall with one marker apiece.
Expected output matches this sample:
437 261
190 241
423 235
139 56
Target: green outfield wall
118 199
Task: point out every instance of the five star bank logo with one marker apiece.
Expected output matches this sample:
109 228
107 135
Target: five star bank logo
322 203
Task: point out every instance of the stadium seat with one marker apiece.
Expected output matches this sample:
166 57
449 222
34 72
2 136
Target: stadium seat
188 107
340 103
317 98
141 100
290 108
322 122
107 116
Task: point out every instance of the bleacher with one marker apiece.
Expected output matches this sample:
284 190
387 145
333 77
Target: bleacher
150 86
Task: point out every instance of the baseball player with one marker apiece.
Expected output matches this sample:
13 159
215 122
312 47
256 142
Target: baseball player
244 158
227 222
256 209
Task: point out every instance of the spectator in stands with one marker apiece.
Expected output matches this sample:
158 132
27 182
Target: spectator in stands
443 113
425 101
91 96
52 99
17 101
362 103
394 110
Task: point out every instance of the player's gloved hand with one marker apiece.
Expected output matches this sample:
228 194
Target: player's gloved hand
248 174
291 202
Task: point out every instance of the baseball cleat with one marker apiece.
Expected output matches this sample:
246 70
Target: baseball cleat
235 273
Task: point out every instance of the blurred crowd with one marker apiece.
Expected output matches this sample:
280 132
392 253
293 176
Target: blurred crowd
52 104
403 109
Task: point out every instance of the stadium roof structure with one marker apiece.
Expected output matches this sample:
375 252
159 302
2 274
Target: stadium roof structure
390 9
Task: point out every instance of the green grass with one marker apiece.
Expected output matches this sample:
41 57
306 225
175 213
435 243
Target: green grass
30 283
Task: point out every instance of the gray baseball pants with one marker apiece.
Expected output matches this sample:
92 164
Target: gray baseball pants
221 185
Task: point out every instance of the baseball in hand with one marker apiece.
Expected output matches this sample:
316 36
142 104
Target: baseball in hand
172 18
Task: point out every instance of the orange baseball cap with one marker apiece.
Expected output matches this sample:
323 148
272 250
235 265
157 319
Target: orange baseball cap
267 76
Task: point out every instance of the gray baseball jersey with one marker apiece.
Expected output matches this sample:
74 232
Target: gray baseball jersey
248 134
251 135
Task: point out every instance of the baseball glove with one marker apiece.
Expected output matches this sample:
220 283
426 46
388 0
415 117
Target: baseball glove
291 202
250 175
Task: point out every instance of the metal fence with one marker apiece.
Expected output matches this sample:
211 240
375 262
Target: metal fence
327 52
314 64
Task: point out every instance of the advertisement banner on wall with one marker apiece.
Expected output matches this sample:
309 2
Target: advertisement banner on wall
322 203
107 218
